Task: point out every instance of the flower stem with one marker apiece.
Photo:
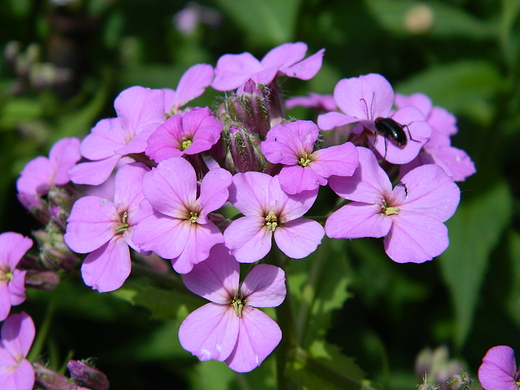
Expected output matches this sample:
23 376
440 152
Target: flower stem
43 331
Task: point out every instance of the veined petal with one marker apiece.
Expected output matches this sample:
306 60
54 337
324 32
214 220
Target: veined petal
105 138
299 238
171 187
233 70
64 155
210 332
107 268
334 119
358 220
431 192
247 239
296 179
36 177
12 248
257 338
93 172
17 287
216 278
5 301
23 376
498 370
214 190
165 140
284 55
415 238
91 224
128 189
340 160
192 84
307 68
368 184
18 334
250 192
289 207
264 286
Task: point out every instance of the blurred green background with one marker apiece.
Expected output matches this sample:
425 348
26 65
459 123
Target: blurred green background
65 62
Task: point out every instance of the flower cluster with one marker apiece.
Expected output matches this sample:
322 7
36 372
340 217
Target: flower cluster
161 177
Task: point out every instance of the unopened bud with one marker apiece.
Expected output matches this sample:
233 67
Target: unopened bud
41 280
54 253
36 206
86 375
460 381
50 380
243 151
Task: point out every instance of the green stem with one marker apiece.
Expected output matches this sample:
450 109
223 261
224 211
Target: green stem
43 331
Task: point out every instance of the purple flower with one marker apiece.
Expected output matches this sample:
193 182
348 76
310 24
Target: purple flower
190 133
229 328
12 281
323 103
16 372
365 99
292 144
498 370
410 216
233 70
139 112
42 173
192 84
269 211
104 229
438 150
179 228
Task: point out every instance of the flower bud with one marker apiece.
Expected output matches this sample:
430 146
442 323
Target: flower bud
86 375
41 280
46 379
54 253
243 151
36 206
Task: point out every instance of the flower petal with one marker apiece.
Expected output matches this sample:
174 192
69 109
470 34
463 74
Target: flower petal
358 220
264 286
498 369
247 239
299 238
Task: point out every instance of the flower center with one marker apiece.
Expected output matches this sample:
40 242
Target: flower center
193 216
6 276
186 144
304 160
238 302
124 225
271 221
388 210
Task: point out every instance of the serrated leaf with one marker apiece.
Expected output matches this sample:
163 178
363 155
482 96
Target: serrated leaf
268 22
163 303
474 231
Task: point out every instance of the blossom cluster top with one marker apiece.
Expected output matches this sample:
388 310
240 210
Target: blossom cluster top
160 176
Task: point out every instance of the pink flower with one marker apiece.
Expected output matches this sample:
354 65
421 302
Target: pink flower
12 281
229 328
498 370
104 229
410 216
139 112
179 228
438 150
189 133
323 103
16 372
269 211
233 70
292 144
42 173
366 99
192 84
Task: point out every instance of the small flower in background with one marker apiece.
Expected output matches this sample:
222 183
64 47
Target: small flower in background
229 328
16 372
498 370
189 133
179 228
321 103
270 212
12 281
188 19
367 98
42 173
410 216
233 70
104 229
292 144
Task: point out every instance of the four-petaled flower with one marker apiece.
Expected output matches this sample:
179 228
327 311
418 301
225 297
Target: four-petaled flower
410 216
229 328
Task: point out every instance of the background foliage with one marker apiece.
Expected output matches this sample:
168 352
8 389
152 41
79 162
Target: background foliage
464 54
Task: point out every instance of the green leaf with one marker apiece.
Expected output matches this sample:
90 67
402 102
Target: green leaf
211 375
17 109
475 230
464 86
163 303
325 368
268 22
440 19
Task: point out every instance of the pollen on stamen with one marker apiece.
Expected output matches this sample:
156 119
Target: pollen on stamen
271 221
304 161
238 302
388 210
124 225
186 144
193 216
